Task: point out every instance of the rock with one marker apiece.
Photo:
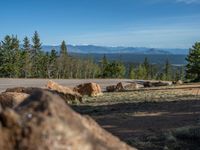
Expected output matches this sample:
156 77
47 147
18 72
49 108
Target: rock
68 95
45 121
148 84
90 89
115 88
27 90
133 86
57 87
63 91
119 87
111 88
157 84
11 99
9 129
179 82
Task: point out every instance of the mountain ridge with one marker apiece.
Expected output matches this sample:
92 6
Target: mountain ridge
106 50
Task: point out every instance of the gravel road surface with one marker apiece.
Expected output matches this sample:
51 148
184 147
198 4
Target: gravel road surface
9 83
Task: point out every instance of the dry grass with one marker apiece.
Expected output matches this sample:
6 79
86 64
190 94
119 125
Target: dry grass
172 93
165 118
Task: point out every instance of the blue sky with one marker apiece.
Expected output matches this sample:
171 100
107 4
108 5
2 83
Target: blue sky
139 23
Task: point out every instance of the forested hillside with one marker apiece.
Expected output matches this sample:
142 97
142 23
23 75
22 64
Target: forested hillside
31 61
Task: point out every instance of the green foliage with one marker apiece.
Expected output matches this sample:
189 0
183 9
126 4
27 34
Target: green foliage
153 72
63 49
193 66
36 56
112 69
141 72
146 66
132 72
167 71
10 57
63 61
26 59
182 73
31 61
37 45
104 64
52 64
26 45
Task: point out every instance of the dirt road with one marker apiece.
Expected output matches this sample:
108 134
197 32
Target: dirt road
9 83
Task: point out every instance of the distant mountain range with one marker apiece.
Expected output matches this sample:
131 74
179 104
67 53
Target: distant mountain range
89 49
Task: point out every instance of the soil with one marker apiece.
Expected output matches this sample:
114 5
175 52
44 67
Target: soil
148 112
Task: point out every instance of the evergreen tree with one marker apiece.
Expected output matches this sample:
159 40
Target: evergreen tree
16 57
44 60
115 70
63 61
193 66
104 60
5 57
36 56
26 44
31 61
177 75
146 65
26 58
182 73
167 71
153 71
63 49
104 64
131 72
52 64
37 45
1 59
141 74
10 57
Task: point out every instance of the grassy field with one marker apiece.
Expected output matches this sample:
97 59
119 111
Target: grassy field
154 118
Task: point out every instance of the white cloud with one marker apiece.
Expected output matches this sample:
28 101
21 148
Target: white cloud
189 1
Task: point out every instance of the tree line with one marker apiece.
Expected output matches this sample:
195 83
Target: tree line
145 70
29 60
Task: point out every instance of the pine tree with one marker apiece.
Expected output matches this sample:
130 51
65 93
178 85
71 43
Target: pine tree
167 71
63 49
153 71
26 44
10 54
63 61
131 72
52 64
177 75
141 74
16 57
36 56
37 45
193 66
1 59
115 70
6 57
146 65
104 64
26 58
182 73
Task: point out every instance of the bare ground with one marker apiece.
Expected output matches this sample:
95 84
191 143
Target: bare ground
145 113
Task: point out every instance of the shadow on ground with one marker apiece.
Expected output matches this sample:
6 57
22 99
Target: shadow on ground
128 120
